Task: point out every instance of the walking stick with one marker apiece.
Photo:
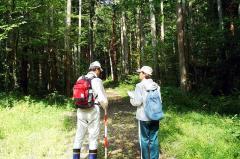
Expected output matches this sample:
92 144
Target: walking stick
105 134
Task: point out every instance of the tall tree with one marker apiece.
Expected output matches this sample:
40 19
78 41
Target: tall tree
91 16
138 35
162 21
11 47
239 10
153 36
180 39
67 60
219 6
52 51
112 47
79 33
124 44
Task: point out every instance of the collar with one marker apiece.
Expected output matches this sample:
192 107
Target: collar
92 73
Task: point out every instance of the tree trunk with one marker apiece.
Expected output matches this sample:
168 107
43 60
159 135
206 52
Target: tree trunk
52 54
162 36
154 37
67 48
24 70
11 49
180 33
91 45
162 22
112 49
219 7
190 57
142 44
138 36
79 33
124 44
239 10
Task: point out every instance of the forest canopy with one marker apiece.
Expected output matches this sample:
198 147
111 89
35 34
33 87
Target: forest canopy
46 45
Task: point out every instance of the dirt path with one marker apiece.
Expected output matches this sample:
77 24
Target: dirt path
122 130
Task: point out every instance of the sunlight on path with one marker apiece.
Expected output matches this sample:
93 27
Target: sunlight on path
122 130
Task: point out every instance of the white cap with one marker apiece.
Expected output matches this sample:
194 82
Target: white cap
146 69
95 64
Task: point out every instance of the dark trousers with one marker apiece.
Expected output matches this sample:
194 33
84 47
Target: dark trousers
148 138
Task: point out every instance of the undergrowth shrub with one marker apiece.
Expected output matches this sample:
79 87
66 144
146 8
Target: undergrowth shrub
176 99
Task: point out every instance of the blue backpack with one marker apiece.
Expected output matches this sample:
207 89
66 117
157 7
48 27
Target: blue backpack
153 107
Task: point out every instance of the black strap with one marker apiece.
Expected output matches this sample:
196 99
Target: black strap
76 151
93 151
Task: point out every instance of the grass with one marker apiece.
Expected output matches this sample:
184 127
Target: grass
199 135
198 126
31 128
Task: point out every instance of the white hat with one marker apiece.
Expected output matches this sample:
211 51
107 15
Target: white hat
95 64
146 69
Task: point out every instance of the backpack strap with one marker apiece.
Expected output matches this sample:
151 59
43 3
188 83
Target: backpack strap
91 84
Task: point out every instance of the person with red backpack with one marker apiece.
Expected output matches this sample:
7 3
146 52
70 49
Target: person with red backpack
89 94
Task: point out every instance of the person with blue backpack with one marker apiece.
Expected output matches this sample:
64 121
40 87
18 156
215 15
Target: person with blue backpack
147 99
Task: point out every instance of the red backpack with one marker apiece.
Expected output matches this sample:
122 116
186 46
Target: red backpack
83 93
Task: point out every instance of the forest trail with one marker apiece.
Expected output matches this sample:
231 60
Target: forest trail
122 130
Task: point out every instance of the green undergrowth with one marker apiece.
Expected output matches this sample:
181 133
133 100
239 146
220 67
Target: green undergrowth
31 128
199 135
197 124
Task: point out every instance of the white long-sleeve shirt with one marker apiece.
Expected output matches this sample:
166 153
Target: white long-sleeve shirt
139 97
98 89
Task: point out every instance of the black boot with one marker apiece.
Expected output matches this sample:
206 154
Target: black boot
92 154
76 153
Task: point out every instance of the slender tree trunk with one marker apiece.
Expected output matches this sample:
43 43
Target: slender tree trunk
124 42
153 35
24 70
11 49
219 6
122 46
79 33
239 10
52 54
142 44
91 45
180 33
67 48
113 50
111 63
162 22
138 36
162 36
40 73
190 57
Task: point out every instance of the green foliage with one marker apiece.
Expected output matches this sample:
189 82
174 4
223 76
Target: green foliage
56 99
5 29
192 127
202 101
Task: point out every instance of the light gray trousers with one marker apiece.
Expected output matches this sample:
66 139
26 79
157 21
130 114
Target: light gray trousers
88 120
